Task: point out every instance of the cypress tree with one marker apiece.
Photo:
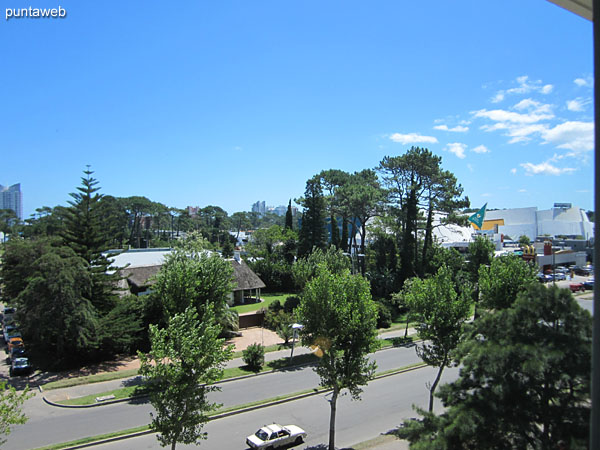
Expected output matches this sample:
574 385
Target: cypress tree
289 218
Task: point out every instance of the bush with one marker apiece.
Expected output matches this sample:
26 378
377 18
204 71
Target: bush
275 307
384 316
285 332
254 356
291 303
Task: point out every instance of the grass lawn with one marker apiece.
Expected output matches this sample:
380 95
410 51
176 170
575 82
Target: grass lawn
267 300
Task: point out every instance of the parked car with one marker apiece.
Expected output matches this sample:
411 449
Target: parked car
586 270
559 276
17 352
15 341
274 435
20 366
575 287
589 284
10 330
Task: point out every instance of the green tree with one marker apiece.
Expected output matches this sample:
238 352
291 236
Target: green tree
54 311
87 237
339 316
524 240
289 217
308 267
313 231
11 413
480 253
524 381
194 278
227 247
503 279
415 181
440 312
185 359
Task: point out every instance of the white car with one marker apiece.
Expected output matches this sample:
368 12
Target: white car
274 435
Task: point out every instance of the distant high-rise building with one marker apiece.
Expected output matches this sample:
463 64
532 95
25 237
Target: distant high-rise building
11 198
259 207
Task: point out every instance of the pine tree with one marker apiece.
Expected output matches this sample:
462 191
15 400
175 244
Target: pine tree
313 232
84 233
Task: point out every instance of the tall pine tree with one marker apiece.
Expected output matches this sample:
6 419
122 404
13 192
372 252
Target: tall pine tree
313 232
84 233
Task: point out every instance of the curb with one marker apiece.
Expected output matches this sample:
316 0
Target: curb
241 377
316 391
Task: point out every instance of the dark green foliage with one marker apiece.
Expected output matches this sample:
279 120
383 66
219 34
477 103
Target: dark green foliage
291 303
524 381
382 266
227 248
384 315
85 234
313 231
275 307
254 356
276 274
55 314
289 217
121 330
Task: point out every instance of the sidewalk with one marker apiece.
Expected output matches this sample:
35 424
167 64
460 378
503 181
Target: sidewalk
58 395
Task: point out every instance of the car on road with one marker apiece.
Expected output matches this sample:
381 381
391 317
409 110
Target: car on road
20 366
9 330
589 284
14 342
275 435
16 352
575 287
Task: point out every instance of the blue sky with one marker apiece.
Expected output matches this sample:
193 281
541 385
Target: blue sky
230 102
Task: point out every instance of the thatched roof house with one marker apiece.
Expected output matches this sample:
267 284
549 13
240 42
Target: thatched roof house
138 276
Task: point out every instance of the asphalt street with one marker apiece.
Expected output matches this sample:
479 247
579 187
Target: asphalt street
384 405
48 424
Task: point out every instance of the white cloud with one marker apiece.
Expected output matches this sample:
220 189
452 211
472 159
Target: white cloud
584 82
545 168
457 148
524 86
578 104
456 129
501 115
486 194
513 171
522 190
576 136
412 138
481 149
470 167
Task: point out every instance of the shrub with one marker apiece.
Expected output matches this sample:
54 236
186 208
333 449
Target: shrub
254 356
291 303
275 307
384 316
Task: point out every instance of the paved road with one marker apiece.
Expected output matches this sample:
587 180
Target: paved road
53 425
384 405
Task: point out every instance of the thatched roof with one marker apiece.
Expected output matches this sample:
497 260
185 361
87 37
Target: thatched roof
139 277
245 278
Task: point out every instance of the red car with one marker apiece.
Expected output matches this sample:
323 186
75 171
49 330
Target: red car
576 287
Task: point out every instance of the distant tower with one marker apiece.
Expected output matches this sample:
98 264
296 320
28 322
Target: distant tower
259 207
11 198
